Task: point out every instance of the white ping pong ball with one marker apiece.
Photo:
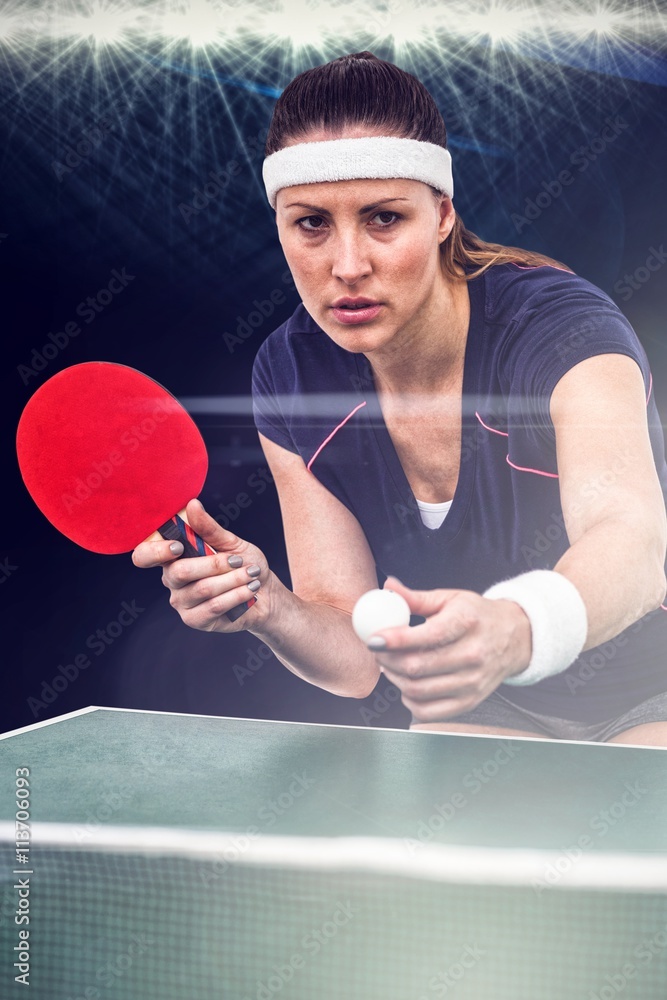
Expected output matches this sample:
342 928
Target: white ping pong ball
378 609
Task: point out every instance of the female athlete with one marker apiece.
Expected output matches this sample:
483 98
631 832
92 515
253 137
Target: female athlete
471 424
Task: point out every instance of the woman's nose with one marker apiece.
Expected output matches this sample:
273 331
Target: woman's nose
350 258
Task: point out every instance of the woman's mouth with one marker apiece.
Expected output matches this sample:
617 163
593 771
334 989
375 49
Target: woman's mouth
350 314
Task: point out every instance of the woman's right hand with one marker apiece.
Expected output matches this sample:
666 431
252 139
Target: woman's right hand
204 588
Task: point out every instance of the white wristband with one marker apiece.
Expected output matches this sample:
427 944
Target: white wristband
558 620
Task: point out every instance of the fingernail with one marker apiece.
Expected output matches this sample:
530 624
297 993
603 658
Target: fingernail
199 503
377 642
235 561
254 570
177 548
254 586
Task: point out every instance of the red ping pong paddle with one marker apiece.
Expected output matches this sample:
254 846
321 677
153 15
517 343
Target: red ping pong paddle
108 455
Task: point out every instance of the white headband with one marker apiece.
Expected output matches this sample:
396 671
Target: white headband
348 159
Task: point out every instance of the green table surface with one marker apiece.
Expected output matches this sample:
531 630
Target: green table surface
119 767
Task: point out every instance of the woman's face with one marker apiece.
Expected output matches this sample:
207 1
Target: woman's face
371 239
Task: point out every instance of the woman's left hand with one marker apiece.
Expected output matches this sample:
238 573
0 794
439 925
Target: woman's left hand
466 647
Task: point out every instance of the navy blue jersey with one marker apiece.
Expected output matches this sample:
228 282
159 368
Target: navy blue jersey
528 326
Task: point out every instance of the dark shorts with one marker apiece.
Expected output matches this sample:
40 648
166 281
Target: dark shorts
497 710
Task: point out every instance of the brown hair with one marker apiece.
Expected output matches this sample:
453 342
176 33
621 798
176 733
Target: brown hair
362 89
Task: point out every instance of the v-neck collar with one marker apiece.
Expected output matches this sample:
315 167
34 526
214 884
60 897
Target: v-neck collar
374 417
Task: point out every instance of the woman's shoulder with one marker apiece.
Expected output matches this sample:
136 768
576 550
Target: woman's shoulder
513 290
544 320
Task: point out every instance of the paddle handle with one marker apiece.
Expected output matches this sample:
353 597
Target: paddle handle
177 529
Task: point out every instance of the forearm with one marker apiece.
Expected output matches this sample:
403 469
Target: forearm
618 568
316 642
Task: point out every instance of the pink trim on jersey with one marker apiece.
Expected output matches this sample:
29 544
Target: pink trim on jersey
334 431
538 472
519 468
487 428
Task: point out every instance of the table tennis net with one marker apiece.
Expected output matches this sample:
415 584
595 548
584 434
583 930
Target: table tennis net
175 915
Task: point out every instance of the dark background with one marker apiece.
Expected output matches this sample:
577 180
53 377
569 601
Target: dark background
103 148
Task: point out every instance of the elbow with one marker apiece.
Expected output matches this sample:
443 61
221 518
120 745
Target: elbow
359 687
660 591
660 554
655 581
652 567
357 692
364 691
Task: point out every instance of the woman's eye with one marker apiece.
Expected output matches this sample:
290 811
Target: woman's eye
386 221
316 224
311 218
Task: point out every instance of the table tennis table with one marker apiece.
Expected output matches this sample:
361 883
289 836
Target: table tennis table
185 857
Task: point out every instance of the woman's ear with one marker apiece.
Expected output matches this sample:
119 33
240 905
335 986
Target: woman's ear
447 218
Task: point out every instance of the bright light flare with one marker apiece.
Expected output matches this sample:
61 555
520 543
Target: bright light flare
103 23
300 22
498 23
403 26
198 23
10 27
606 23
331 24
